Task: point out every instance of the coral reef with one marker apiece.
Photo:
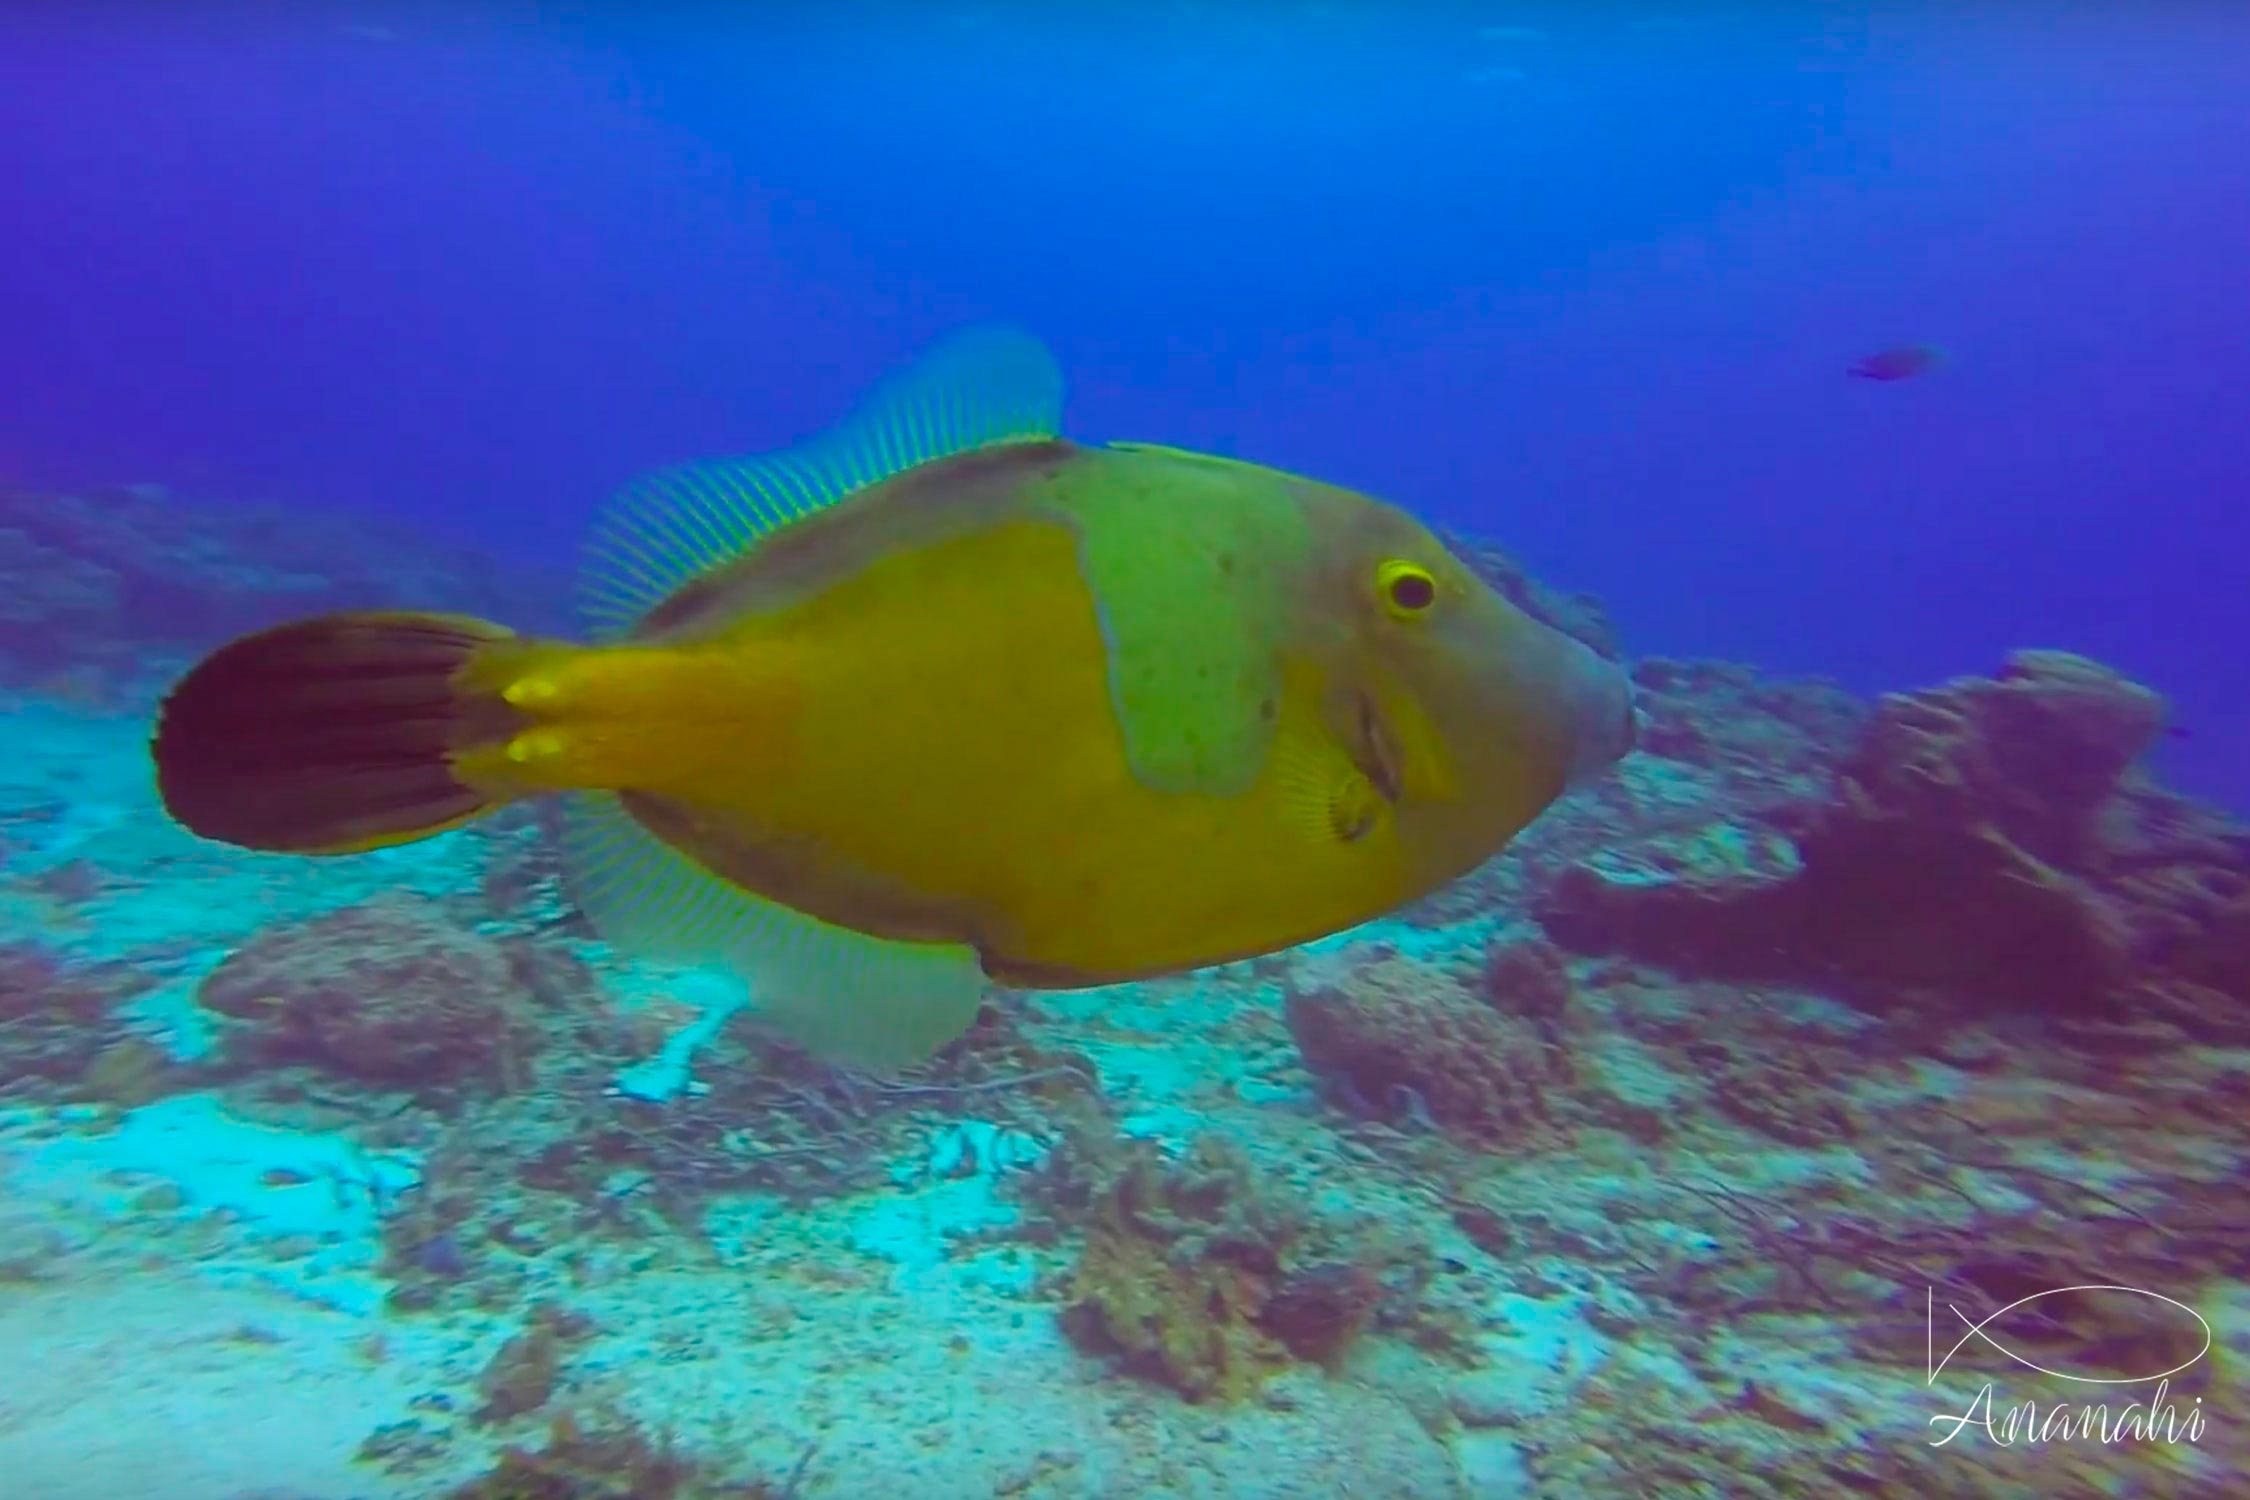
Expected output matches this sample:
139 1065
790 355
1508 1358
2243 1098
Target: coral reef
51 593
1987 841
390 992
1405 1040
124 584
522 1375
1175 1273
1581 615
1723 746
1199 1275
1632 1164
573 1160
1766 742
57 1023
1527 978
610 1460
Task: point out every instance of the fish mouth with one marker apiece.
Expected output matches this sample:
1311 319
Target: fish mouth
1374 749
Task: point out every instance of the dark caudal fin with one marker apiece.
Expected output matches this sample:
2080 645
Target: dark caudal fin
332 735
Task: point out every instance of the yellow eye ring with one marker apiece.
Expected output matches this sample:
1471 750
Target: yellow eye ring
1408 590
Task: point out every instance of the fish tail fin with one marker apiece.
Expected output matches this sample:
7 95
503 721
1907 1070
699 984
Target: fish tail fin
341 733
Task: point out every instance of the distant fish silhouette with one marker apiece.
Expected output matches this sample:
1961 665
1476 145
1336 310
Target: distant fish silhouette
1902 363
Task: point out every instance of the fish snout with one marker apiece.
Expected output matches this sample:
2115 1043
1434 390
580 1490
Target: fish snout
1608 723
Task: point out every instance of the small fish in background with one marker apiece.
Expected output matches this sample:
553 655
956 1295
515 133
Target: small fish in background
1902 363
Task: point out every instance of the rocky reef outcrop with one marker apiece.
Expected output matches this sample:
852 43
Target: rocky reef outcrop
391 993
1200 1275
58 1024
1988 842
113 589
1403 1040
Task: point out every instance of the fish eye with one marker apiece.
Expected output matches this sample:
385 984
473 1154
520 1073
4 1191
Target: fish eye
1408 589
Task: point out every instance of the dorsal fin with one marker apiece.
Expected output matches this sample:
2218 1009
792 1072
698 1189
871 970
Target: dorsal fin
974 389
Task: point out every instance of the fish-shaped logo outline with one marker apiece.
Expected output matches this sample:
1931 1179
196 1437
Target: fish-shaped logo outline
1976 1330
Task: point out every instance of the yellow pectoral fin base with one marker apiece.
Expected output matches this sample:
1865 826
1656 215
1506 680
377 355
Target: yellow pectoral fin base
846 997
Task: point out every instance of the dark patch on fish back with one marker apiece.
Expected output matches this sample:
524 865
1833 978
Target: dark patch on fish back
942 497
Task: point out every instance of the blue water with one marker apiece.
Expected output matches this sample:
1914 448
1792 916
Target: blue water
1586 278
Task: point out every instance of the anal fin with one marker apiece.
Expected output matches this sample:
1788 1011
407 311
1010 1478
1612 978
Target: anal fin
847 997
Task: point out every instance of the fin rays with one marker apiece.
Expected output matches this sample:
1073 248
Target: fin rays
864 1001
848 996
978 388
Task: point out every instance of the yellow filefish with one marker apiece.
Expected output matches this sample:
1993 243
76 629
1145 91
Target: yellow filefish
938 697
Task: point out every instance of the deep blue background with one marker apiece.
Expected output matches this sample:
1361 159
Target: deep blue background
1582 278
